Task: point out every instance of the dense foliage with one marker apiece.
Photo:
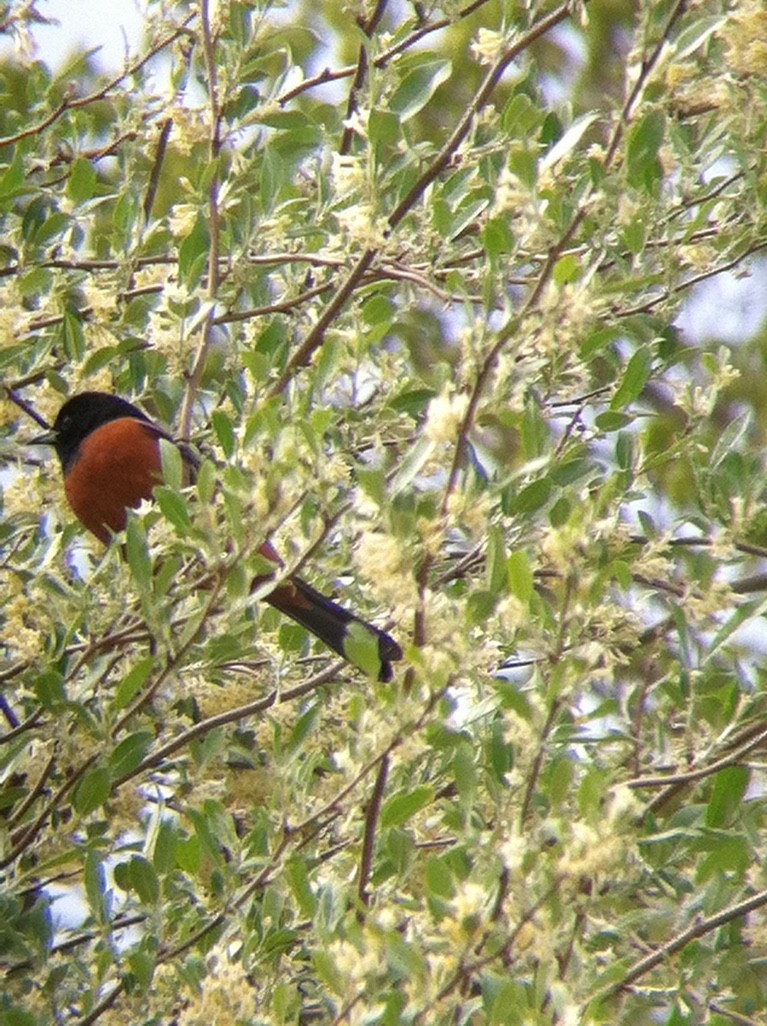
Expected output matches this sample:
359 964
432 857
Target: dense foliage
410 277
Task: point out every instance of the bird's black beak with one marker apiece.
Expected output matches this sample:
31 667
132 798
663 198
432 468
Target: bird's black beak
49 438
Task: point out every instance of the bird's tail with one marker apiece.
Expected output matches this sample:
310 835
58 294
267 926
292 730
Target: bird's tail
330 622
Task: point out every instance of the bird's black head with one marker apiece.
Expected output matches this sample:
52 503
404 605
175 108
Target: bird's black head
81 415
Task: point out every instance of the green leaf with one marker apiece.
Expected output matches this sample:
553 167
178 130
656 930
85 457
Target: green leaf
412 401
138 875
13 176
130 752
465 773
500 752
132 682
495 561
93 790
137 551
301 729
72 335
286 120
164 849
271 176
439 879
173 507
634 379
412 465
559 513
94 878
730 439
142 966
297 879
207 481
568 141
401 807
532 497
361 648
193 253
405 960
534 430
82 180
377 309
634 233
727 795
224 430
49 687
695 34
383 127
497 237
568 268
645 139
189 855
571 470
418 86
173 468
611 421
520 576
520 117
328 973
730 856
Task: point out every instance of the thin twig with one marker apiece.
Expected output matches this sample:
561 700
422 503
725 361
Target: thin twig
214 226
372 812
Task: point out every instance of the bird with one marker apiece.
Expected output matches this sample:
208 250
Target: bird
109 451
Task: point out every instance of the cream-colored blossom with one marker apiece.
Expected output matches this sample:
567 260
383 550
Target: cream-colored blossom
512 613
357 122
468 912
701 606
348 173
182 219
698 256
445 415
624 804
513 849
190 127
488 46
745 34
101 380
385 560
361 224
511 195
227 994
14 321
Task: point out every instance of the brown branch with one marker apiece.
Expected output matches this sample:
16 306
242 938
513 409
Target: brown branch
326 76
316 336
27 407
647 67
368 27
662 953
23 838
69 103
372 812
35 792
465 970
486 90
251 709
154 176
734 758
214 225
666 294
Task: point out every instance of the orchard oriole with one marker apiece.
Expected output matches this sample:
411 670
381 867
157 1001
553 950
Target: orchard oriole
110 457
